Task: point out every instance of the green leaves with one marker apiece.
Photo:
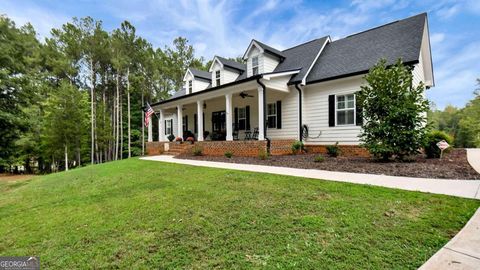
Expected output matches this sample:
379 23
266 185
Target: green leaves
394 111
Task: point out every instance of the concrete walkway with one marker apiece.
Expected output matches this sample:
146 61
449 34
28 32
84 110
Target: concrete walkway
459 188
462 252
473 157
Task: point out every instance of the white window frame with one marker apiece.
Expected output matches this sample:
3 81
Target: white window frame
244 109
275 114
168 127
217 77
257 66
346 109
190 86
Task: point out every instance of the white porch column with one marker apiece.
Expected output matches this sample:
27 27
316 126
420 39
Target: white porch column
150 124
229 116
161 127
200 120
180 121
261 119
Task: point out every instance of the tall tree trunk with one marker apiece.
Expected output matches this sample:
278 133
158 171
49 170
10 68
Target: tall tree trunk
66 158
117 119
121 124
128 109
92 156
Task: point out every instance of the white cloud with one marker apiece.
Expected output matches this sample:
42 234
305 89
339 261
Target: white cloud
448 12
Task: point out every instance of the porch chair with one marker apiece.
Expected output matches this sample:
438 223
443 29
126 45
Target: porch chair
255 134
235 135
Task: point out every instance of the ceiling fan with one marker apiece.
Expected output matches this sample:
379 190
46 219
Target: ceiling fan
244 95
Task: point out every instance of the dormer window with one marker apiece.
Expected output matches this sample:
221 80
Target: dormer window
217 77
190 87
255 65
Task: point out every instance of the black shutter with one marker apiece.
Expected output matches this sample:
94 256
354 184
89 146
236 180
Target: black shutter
247 115
203 121
165 127
359 113
171 126
331 110
279 114
186 122
236 119
195 123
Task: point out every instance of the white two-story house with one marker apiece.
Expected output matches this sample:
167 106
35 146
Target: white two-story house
306 92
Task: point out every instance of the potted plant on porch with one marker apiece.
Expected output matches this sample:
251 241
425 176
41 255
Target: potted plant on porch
190 140
178 140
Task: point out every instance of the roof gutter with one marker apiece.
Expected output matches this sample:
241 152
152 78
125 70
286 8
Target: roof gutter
300 129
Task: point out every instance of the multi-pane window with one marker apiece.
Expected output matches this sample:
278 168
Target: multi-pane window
168 127
184 123
190 86
272 115
255 65
345 109
242 118
217 77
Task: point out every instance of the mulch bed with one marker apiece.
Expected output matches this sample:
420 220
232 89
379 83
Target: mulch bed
453 165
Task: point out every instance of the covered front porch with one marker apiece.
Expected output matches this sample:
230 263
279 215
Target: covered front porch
243 111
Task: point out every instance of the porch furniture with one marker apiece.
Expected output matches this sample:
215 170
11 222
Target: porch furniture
255 134
248 135
235 135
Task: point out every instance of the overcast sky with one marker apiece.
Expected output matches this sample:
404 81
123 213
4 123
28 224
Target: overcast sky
226 27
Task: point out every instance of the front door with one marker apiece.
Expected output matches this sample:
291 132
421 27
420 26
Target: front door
218 125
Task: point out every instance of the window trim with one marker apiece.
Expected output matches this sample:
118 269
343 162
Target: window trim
255 66
190 86
346 109
242 118
269 115
217 77
168 127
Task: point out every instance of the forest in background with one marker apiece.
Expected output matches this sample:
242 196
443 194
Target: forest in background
75 98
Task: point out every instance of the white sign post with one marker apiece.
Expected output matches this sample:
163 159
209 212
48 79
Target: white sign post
442 145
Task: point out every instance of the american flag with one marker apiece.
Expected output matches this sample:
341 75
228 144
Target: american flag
148 111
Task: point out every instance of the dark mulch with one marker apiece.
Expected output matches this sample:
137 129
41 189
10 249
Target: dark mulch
453 165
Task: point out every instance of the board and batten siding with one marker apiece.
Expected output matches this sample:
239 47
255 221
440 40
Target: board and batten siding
315 112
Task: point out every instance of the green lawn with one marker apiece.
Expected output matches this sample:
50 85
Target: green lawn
143 214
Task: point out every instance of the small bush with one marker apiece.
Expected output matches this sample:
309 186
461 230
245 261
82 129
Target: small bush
430 146
333 150
197 151
297 146
262 154
319 159
171 137
228 154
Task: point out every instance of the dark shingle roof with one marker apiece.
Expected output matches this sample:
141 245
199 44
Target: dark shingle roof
201 74
359 52
271 50
300 57
232 64
179 93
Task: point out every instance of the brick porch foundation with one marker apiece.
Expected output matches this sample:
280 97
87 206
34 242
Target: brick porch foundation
345 150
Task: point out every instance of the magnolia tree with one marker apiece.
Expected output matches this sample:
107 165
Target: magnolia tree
394 112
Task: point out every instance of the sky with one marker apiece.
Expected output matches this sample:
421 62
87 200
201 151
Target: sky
226 27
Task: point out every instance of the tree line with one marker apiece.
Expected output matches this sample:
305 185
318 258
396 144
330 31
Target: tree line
75 97
463 124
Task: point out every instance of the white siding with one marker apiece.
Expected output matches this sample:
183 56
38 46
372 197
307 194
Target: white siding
266 62
226 76
290 118
168 117
269 63
315 111
197 85
418 72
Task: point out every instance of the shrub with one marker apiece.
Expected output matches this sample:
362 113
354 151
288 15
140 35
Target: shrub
228 154
319 158
197 151
393 112
297 146
333 150
178 139
430 146
171 137
262 154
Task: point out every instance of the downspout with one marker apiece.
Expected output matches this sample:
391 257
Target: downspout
299 110
264 113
